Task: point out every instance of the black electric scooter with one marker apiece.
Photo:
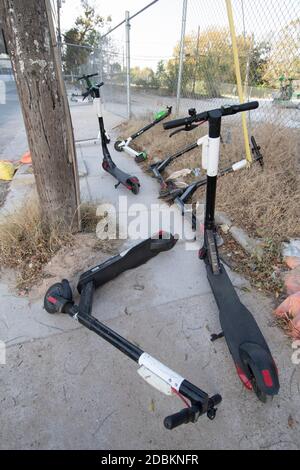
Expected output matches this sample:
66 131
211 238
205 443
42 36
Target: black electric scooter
181 196
130 182
250 352
124 145
59 299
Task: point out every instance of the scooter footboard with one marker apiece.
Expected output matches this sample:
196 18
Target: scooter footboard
129 259
246 343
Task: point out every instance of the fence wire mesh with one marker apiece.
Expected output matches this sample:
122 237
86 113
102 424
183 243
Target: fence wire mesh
268 39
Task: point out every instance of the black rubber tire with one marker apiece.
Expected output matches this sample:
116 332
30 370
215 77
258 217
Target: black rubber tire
116 146
262 396
57 289
135 188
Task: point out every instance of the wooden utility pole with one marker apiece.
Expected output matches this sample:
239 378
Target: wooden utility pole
32 46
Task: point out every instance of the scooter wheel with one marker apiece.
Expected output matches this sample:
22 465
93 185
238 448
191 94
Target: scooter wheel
135 188
262 396
117 146
142 157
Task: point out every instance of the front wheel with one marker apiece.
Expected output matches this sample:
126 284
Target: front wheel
117 146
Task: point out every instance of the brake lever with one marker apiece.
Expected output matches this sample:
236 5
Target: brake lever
187 128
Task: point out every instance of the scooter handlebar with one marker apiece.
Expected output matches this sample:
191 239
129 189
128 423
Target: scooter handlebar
84 77
178 123
225 111
188 415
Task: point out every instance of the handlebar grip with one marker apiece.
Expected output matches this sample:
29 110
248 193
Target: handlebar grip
185 416
248 106
240 108
177 123
88 76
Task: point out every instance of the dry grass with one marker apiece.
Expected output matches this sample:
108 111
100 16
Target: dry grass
27 245
264 202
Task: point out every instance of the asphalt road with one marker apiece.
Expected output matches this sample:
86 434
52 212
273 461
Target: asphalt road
11 119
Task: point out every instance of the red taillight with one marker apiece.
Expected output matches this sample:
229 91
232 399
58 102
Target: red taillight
244 378
52 300
267 378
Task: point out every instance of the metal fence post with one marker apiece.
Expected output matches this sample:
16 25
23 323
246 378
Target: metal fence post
127 27
181 58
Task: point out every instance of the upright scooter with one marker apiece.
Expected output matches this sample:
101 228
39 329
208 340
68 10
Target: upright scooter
130 182
250 352
124 145
59 299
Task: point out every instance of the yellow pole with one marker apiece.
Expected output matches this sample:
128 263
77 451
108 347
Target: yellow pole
238 77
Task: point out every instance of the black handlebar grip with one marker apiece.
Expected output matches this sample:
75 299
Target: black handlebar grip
84 77
239 108
248 106
185 416
177 123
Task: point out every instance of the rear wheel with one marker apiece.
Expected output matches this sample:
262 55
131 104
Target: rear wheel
142 157
135 188
262 396
117 146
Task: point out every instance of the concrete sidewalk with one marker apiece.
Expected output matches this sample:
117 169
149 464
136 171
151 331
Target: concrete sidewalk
65 388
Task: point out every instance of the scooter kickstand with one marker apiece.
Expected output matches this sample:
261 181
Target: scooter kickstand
117 185
215 337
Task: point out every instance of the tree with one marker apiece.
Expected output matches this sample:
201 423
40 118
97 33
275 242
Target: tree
143 77
284 57
2 44
85 32
209 62
30 36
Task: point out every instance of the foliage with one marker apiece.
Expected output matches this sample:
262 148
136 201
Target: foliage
209 62
284 58
85 32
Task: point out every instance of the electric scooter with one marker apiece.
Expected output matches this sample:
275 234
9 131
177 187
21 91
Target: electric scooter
59 299
130 182
180 196
124 145
250 352
90 96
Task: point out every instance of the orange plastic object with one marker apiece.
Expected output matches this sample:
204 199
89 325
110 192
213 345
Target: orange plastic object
26 158
292 262
292 281
291 306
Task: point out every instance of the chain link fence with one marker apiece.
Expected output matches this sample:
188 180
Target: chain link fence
268 40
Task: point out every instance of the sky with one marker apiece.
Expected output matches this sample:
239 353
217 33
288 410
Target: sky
156 31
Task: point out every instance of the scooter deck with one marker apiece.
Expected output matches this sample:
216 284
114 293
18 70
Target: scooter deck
242 333
129 259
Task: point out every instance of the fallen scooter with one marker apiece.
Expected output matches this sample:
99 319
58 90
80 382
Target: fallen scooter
59 299
130 182
170 193
252 357
124 145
